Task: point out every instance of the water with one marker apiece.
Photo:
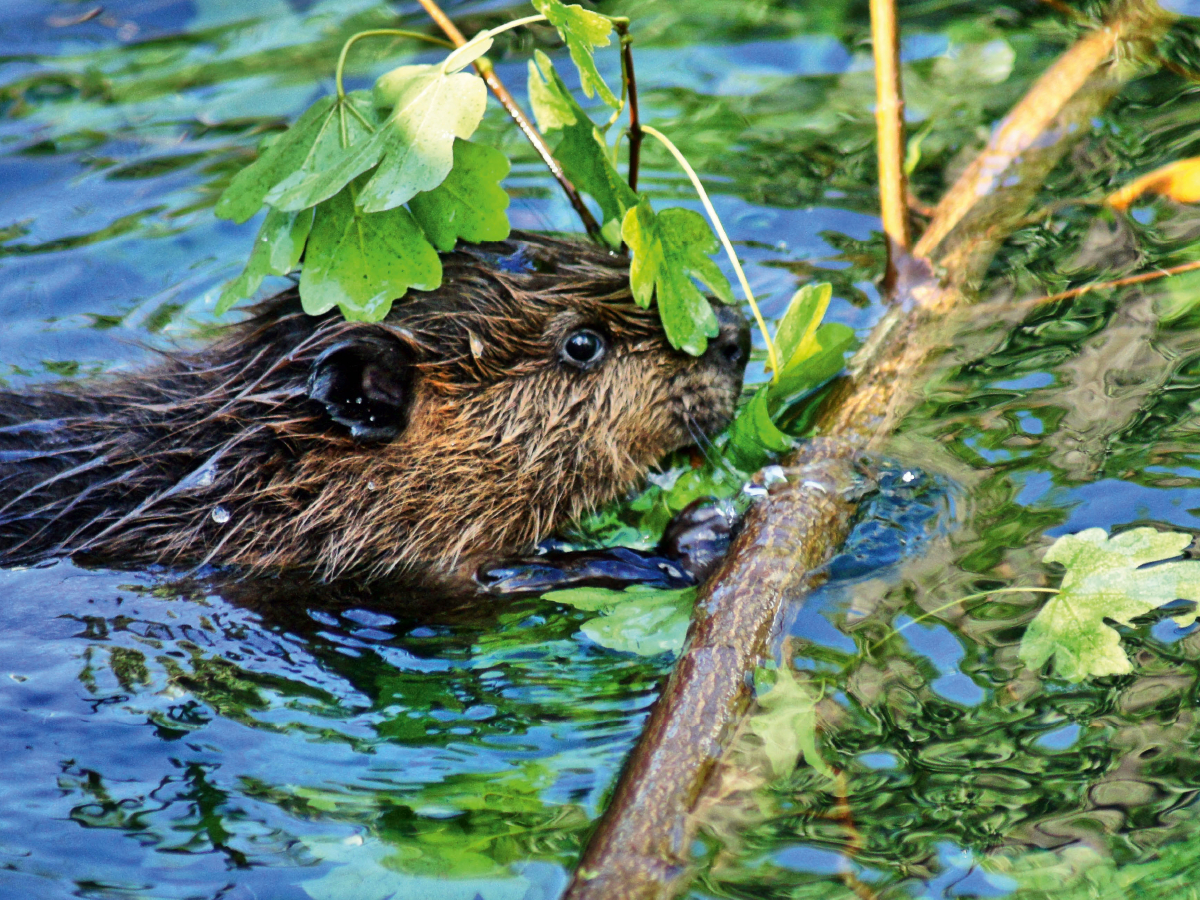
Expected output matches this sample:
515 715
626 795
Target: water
174 736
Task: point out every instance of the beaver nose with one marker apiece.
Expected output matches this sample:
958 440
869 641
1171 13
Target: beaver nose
731 347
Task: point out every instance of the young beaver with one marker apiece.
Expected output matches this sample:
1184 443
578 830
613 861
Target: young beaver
466 427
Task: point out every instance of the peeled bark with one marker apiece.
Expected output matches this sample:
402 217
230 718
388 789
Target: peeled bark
641 848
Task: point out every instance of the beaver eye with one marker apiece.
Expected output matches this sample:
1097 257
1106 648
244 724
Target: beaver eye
583 348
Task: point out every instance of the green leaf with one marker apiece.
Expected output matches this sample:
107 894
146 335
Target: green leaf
289 171
795 337
470 203
833 339
582 150
277 250
669 248
1103 581
581 30
641 620
754 437
414 146
786 723
363 261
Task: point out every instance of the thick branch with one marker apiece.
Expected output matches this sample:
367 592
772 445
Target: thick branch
488 74
642 846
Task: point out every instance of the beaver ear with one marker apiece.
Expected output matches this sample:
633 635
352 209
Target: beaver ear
365 384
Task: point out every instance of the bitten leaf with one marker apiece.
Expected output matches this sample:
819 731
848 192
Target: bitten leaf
363 261
669 249
289 173
1103 581
581 30
276 251
582 150
470 203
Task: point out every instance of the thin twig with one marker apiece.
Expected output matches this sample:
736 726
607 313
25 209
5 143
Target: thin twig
889 126
488 74
1116 283
635 122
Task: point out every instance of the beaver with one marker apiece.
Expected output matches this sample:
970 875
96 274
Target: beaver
471 423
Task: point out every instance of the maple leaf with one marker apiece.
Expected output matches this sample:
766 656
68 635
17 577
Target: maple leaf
288 174
669 248
363 261
581 30
470 203
276 251
582 150
1103 580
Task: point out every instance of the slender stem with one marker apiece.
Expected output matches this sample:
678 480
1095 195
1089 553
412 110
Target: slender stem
889 128
515 23
378 32
1119 282
630 88
720 229
966 599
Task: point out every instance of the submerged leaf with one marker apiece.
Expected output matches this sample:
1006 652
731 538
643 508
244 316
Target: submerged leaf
581 30
582 150
289 173
786 723
470 203
1179 181
363 261
668 249
277 250
1103 581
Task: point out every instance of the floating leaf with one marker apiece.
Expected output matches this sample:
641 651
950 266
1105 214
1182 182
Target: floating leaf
276 251
470 203
1179 181
1103 581
669 248
363 261
786 723
582 150
641 620
289 172
581 30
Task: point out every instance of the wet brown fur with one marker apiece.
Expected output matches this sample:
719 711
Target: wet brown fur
504 443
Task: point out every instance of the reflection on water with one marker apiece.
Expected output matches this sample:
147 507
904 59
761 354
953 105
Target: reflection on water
174 736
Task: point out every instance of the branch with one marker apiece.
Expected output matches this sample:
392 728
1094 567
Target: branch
635 122
889 127
641 849
488 74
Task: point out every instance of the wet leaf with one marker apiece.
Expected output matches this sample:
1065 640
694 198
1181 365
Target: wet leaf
641 620
470 203
1179 181
277 250
363 261
1103 581
581 30
669 249
786 723
289 173
582 150
795 337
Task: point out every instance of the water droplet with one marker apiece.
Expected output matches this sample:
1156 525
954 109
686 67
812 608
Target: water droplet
220 515
907 477
372 486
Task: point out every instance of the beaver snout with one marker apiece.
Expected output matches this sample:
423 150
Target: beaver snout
730 349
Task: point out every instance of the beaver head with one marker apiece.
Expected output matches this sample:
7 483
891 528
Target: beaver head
467 426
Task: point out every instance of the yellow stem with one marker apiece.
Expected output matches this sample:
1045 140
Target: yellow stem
720 229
